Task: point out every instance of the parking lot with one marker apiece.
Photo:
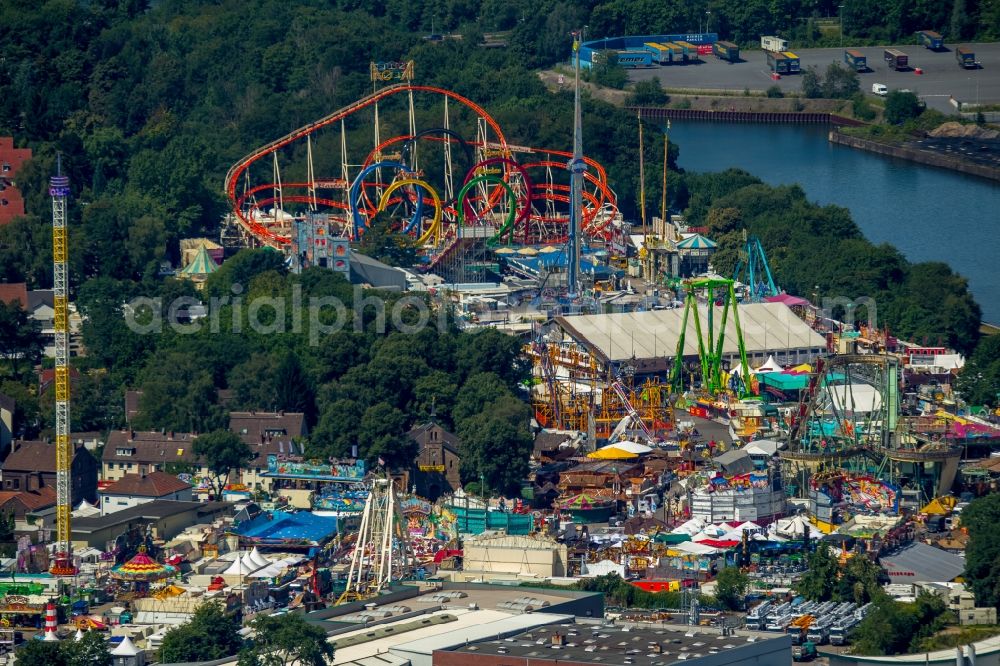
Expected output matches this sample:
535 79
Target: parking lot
942 77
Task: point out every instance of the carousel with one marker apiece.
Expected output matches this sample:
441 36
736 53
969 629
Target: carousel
140 572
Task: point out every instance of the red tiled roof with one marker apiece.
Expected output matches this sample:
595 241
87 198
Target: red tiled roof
156 484
38 499
14 291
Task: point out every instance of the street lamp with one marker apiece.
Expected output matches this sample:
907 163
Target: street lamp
708 19
841 15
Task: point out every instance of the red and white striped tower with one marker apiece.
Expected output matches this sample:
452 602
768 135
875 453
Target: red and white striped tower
51 623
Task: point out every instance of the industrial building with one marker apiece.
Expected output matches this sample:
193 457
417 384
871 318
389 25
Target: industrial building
644 339
493 556
595 643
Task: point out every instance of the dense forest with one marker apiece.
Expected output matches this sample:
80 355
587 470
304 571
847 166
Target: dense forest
149 103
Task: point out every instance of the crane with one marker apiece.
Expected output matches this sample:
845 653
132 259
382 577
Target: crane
59 191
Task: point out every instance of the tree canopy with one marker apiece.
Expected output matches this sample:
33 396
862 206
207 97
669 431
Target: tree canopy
284 639
223 452
210 634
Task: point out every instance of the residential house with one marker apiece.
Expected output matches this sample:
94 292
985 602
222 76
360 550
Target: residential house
31 466
31 510
437 465
11 159
135 489
267 433
131 452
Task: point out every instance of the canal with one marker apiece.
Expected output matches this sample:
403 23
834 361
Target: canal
930 214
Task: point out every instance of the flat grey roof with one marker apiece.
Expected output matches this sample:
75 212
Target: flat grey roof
155 510
613 645
921 563
767 327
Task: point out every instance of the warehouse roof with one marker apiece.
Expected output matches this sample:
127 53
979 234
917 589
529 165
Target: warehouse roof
641 335
607 645
920 563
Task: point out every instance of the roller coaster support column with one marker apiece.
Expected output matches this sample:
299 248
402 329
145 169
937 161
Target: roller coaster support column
577 167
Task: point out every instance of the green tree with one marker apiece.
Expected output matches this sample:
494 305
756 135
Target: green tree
382 434
20 338
235 274
41 653
496 445
293 389
820 578
840 82
979 381
982 552
647 93
285 639
731 587
91 650
222 451
902 106
179 394
211 633
812 85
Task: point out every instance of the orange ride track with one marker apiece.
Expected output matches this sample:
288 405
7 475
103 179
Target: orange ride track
244 204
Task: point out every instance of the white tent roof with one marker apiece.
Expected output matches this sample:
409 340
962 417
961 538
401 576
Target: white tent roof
793 528
257 558
85 509
763 447
693 548
690 527
240 567
770 366
620 336
269 571
126 648
631 447
856 397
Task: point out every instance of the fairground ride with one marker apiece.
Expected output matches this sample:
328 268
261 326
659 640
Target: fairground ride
572 391
754 271
716 378
381 550
436 161
850 420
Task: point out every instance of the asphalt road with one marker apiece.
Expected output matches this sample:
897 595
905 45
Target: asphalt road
942 77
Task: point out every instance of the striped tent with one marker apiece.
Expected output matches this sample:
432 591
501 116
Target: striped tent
696 242
202 264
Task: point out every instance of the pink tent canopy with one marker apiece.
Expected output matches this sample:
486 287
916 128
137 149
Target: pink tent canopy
788 299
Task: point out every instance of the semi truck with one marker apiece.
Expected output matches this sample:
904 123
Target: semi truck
896 59
931 40
726 51
804 652
634 59
782 63
660 52
966 57
772 43
856 60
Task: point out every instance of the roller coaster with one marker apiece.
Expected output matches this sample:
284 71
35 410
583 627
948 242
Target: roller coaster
446 166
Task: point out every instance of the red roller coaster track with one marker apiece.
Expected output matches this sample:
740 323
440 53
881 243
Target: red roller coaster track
245 204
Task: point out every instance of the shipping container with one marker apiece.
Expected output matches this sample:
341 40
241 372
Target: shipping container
793 62
896 59
726 51
931 40
966 57
772 43
856 60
